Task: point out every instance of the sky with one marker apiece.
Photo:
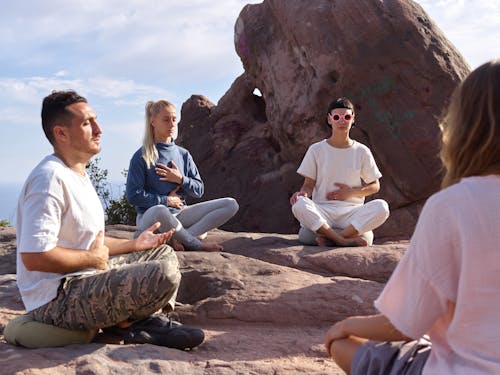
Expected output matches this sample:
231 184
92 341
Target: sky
121 53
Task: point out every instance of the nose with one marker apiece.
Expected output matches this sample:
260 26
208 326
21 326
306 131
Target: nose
96 128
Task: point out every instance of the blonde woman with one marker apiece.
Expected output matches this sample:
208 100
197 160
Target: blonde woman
160 177
447 285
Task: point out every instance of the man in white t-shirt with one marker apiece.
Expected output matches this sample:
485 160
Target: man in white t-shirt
69 273
338 174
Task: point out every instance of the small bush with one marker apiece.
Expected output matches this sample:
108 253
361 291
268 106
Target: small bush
117 211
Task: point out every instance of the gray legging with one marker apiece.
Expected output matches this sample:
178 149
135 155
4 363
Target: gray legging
191 221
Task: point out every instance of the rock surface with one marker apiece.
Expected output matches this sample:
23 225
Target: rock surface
265 305
387 56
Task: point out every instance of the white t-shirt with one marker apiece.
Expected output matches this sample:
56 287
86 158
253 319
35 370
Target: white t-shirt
328 165
448 282
57 207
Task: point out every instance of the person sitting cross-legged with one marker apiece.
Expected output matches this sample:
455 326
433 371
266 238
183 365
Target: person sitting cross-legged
339 173
439 311
72 276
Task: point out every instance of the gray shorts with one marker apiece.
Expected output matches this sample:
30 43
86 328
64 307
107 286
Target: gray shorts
391 358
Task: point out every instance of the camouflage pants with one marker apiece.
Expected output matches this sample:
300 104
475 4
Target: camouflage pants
136 285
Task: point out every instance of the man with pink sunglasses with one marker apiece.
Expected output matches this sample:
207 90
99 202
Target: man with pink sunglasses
339 173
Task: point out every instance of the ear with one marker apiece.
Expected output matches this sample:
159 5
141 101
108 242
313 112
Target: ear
60 133
328 123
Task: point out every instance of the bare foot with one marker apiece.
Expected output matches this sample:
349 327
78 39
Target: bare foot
325 242
346 242
177 245
210 246
354 241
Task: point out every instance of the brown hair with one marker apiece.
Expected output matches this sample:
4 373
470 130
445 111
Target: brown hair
54 110
471 126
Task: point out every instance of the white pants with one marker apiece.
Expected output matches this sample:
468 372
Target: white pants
338 215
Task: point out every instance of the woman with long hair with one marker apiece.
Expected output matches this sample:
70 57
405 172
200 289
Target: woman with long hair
439 312
162 175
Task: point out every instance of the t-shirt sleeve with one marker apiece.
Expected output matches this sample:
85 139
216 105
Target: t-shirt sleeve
424 282
42 209
308 167
369 169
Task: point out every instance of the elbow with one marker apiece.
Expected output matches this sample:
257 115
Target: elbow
129 196
132 197
30 267
200 191
29 262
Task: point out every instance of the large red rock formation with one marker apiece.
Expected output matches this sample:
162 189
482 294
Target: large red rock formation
388 57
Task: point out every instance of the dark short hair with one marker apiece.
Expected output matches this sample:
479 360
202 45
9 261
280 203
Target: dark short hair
340 103
54 110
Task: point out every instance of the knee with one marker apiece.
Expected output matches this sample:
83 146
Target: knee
162 214
158 210
342 352
299 206
169 272
382 208
335 347
232 206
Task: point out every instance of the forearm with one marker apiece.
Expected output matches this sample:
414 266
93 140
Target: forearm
372 327
119 246
308 186
366 190
306 190
137 196
59 260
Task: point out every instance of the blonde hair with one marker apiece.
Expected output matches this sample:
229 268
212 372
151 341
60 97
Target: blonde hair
149 151
471 126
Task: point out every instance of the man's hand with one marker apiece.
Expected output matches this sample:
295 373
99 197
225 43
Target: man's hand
148 239
296 196
169 174
174 200
343 193
99 252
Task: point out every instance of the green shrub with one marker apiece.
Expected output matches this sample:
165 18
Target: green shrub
117 211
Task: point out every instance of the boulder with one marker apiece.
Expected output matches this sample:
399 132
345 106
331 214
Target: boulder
388 57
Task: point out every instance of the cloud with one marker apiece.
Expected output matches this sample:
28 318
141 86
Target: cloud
472 26
122 37
29 90
21 98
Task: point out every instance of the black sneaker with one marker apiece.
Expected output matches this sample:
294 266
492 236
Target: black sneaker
159 330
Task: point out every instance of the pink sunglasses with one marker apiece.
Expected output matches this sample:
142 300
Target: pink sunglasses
347 117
